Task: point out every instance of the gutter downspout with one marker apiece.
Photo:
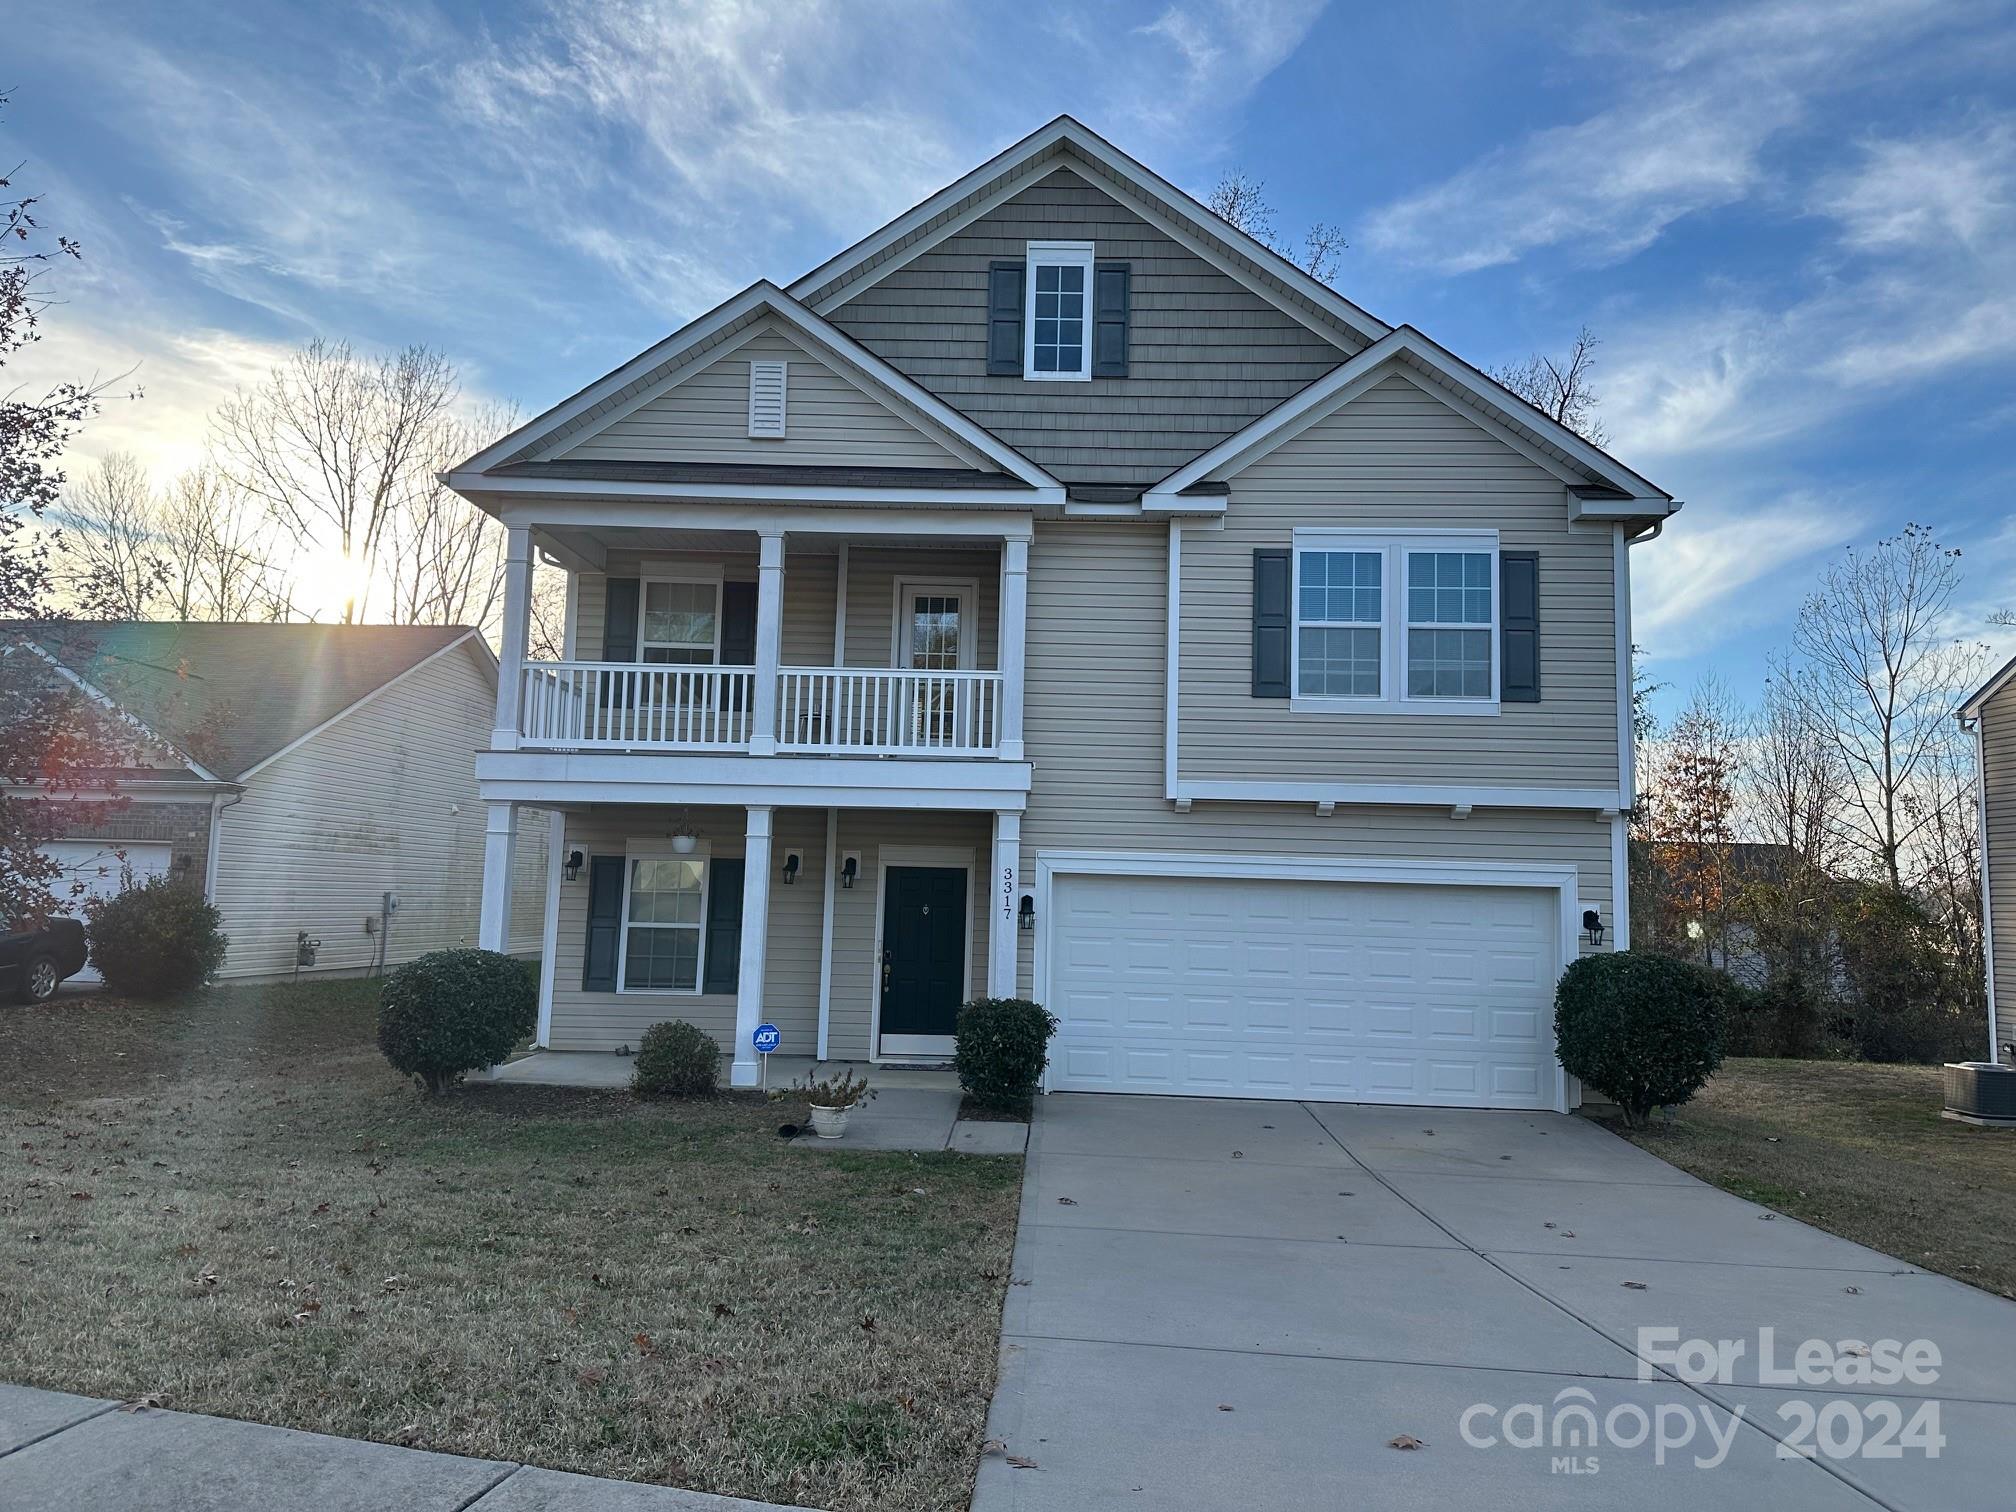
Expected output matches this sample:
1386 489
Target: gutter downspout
218 803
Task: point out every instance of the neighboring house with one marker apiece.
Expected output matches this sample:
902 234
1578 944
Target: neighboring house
295 773
1736 865
1058 593
1991 713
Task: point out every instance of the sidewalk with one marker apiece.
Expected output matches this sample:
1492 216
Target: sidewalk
62 1453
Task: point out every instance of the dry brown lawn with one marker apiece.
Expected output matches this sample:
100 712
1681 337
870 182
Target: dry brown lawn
233 1204
1860 1151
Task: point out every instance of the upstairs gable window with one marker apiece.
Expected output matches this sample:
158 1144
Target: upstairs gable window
1057 334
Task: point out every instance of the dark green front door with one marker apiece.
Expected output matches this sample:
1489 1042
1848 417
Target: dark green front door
924 951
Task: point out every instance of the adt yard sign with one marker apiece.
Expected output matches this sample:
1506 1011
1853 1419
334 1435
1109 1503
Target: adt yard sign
766 1038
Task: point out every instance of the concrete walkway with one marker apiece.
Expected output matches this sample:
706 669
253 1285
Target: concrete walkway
61 1453
914 1108
1242 1304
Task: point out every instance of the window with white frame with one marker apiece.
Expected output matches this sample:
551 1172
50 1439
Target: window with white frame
1057 331
664 914
1395 624
679 621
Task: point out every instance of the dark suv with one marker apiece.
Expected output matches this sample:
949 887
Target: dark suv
34 962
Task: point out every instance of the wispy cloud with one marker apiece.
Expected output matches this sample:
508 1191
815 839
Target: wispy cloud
1695 590
1200 56
1697 105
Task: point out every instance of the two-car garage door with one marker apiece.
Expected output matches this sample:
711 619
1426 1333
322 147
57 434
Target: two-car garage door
1394 992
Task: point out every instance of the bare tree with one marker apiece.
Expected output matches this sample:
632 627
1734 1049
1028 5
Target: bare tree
1878 673
114 566
333 444
1696 770
1794 778
447 556
220 551
1560 390
1241 200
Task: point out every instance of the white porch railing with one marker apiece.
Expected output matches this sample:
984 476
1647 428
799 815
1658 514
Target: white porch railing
636 705
888 712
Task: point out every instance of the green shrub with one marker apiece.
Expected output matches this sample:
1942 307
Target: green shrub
674 1059
1004 1043
1904 1002
1644 1030
156 938
455 1011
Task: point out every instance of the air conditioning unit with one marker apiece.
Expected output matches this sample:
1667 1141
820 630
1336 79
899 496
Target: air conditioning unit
1981 1092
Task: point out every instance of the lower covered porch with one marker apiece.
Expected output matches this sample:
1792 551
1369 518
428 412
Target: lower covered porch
856 932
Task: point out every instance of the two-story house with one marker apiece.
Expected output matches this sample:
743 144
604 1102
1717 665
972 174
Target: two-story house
1059 594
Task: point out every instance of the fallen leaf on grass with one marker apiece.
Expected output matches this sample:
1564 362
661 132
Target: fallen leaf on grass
723 1310
1406 1440
80 1196
143 1402
594 1375
644 1345
408 1435
868 1325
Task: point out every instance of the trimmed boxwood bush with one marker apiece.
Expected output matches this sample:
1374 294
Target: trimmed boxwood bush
675 1059
1645 1030
156 938
1004 1043
455 1011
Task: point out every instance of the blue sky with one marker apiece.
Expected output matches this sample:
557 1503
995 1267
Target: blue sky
1792 226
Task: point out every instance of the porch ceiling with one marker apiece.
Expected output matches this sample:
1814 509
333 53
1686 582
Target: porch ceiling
800 544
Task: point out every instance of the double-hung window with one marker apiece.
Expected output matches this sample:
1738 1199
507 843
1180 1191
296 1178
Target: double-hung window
664 911
1057 328
1392 623
679 621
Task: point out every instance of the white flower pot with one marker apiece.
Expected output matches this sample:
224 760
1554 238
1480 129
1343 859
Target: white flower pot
830 1123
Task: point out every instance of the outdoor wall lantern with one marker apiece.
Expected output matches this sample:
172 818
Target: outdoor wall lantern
1026 915
575 861
850 868
1592 925
790 867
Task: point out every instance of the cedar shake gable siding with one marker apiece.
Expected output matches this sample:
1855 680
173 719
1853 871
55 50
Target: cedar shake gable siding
1207 356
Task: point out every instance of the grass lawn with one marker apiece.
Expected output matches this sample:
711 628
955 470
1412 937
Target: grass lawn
232 1203
1860 1151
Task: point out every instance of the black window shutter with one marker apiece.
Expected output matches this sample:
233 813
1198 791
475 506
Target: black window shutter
724 926
1270 622
605 924
738 624
1519 626
1110 283
619 619
1004 317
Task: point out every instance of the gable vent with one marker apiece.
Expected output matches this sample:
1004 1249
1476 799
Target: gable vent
766 398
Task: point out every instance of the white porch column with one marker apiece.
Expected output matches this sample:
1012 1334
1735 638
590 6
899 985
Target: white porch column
1014 628
1004 899
516 629
500 836
755 946
769 643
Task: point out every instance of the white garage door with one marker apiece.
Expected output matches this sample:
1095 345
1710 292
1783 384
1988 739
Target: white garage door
1334 991
97 868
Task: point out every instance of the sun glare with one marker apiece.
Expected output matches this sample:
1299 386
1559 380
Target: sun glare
329 581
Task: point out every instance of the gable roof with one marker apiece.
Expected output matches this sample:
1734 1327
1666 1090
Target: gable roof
1069 142
1971 709
1603 487
231 696
660 368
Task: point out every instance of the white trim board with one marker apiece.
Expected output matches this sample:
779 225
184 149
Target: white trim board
950 858
1034 158
759 298
570 503
1402 795
1350 379
1563 880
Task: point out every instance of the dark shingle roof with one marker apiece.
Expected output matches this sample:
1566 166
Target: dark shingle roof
232 695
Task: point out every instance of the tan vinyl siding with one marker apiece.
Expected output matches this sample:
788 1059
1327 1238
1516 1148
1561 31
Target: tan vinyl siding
1207 356
1998 776
830 421
1396 458
810 585
606 1020
856 979
383 800
1093 720
585 1020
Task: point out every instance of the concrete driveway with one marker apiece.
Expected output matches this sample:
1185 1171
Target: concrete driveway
1240 1304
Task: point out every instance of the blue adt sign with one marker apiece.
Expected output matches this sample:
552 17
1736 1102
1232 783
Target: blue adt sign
766 1038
